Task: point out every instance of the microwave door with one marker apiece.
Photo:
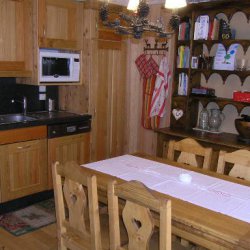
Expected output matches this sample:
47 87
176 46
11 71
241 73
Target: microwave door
53 67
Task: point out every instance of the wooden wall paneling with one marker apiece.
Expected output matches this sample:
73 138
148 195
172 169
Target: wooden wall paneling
119 105
134 95
76 98
100 70
103 104
109 104
140 139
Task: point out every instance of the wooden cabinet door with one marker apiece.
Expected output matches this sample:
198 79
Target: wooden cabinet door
15 42
59 23
68 148
23 169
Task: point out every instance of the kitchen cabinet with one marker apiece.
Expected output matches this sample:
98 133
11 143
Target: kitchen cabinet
23 168
59 23
15 42
68 148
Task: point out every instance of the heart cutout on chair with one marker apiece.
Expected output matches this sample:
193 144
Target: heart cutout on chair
137 223
177 113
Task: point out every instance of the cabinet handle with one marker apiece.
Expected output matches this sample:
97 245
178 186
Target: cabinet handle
24 147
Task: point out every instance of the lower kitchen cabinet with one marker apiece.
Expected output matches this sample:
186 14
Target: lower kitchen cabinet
68 148
23 168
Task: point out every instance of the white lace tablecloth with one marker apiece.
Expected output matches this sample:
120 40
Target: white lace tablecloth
215 194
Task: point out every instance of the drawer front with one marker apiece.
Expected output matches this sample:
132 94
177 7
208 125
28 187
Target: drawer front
23 134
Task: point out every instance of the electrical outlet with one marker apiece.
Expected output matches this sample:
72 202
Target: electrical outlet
42 97
42 88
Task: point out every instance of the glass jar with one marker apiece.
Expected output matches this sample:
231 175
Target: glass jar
215 120
203 119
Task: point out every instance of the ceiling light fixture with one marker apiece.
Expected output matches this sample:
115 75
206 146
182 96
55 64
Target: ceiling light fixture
133 5
175 4
135 24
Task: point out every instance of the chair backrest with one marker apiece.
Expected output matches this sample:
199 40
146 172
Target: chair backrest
189 150
240 160
137 216
69 181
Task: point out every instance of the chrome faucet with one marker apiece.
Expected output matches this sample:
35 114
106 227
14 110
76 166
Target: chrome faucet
25 105
24 102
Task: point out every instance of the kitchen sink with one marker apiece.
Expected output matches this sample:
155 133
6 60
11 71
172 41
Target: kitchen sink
15 118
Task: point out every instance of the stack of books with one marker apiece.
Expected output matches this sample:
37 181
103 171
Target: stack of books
202 91
183 57
184 31
208 30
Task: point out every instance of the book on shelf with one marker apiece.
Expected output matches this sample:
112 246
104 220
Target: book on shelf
183 84
183 57
215 29
225 60
184 31
201 28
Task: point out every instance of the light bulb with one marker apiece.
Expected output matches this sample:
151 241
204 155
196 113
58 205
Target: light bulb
174 4
133 5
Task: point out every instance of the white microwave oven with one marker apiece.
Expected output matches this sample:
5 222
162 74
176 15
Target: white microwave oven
59 66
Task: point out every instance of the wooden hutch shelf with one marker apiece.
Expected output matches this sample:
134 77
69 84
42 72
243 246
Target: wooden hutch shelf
184 79
223 141
222 102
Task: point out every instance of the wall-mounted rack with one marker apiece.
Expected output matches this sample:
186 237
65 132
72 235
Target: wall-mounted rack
156 49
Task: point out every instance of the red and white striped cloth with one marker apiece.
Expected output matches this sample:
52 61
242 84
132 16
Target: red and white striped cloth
146 68
161 89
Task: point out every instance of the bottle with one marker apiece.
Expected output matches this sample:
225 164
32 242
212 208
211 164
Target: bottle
203 119
201 62
51 105
215 119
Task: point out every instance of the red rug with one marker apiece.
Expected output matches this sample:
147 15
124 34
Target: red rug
30 218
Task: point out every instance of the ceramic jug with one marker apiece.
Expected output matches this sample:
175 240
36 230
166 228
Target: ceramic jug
215 119
203 119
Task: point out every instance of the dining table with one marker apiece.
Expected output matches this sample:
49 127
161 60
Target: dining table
209 209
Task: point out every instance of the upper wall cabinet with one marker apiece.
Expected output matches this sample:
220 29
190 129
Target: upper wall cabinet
56 24
15 27
59 24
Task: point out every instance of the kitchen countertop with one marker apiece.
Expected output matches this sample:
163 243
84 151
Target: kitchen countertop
47 118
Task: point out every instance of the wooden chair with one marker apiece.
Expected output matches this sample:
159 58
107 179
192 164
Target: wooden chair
190 150
137 216
191 153
240 160
74 232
